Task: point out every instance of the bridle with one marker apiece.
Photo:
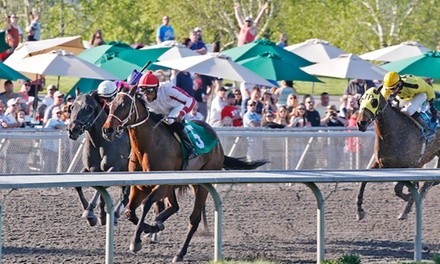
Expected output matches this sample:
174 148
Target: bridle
133 110
83 126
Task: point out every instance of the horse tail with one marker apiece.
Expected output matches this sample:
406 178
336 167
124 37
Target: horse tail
231 163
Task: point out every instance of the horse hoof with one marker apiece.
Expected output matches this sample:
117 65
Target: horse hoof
204 233
403 216
92 221
177 259
135 247
160 225
360 215
152 238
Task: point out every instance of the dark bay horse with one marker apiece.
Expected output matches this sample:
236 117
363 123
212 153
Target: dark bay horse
99 155
398 143
156 149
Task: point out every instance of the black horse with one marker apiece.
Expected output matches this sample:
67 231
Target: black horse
88 115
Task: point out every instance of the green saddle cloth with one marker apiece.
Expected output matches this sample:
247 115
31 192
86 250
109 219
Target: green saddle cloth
201 139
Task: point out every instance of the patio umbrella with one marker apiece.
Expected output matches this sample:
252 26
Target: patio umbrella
85 85
261 46
95 54
347 66
272 67
426 65
61 63
7 73
396 52
216 66
177 52
315 50
31 48
3 45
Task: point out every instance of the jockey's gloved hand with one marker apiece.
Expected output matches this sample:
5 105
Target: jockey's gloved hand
433 111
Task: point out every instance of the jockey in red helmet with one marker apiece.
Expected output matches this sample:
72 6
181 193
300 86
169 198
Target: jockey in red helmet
170 100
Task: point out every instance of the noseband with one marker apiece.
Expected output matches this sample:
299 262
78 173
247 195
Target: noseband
133 110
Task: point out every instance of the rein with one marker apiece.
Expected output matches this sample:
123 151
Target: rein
87 125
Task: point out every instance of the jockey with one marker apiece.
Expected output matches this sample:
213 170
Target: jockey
415 91
169 100
107 91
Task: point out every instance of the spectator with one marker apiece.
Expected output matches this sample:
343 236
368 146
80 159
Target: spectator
14 31
9 120
292 102
251 118
35 25
268 102
58 99
2 113
282 116
298 117
349 104
186 42
357 87
50 146
97 39
283 40
248 28
231 112
202 90
322 105
255 96
70 99
165 31
26 102
20 116
47 100
197 44
65 113
332 118
185 82
217 105
8 93
30 33
238 98
311 114
268 121
198 31
194 114
284 92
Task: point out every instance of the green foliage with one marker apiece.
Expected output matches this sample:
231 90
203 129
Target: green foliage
346 259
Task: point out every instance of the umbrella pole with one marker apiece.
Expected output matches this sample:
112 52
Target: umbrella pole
313 88
58 83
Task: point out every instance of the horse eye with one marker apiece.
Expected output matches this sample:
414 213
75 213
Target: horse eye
374 103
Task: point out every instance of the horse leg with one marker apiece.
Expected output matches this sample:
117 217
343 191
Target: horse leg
123 203
407 209
159 192
136 196
194 220
102 214
88 213
398 190
158 207
359 201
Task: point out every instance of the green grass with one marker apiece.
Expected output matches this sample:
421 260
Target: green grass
66 83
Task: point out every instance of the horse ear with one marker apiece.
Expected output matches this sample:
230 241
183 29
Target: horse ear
133 90
94 94
377 90
77 91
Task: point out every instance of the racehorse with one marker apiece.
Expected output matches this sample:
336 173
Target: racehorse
156 149
88 115
398 144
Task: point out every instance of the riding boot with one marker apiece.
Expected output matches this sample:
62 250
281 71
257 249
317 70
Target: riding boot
187 145
428 133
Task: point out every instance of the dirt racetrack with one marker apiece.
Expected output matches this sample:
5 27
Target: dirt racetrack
272 222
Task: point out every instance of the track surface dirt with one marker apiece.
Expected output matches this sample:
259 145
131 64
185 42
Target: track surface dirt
273 222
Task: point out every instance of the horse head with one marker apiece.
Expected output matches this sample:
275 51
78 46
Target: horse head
85 111
369 108
123 113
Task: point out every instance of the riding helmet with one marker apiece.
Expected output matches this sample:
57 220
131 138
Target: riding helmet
148 80
107 89
390 80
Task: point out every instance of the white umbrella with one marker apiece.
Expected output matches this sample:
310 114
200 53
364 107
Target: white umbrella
177 52
347 66
315 50
31 48
397 52
216 66
61 63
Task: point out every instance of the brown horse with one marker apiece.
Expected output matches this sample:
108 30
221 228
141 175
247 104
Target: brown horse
156 149
398 144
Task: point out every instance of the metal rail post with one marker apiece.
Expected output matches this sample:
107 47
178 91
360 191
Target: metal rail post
218 221
110 227
419 219
320 221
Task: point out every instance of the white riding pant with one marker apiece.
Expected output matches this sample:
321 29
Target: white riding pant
414 104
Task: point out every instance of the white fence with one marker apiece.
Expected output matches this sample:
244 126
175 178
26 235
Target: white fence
46 151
